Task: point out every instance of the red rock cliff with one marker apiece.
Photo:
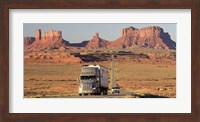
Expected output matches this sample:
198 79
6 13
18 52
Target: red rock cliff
148 37
48 40
97 42
28 40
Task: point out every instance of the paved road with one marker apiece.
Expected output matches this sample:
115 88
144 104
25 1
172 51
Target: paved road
122 94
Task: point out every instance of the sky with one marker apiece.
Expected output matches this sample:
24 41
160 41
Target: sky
78 32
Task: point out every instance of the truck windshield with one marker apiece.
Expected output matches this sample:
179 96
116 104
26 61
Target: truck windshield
88 77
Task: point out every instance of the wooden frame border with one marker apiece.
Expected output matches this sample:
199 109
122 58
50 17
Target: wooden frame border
5 5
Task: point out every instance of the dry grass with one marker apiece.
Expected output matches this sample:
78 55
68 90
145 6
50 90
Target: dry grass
40 89
51 72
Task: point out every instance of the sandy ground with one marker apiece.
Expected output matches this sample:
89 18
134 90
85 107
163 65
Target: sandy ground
142 72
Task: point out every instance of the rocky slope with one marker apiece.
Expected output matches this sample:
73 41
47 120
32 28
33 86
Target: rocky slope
51 57
97 42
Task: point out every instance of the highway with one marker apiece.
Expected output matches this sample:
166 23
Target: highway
122 94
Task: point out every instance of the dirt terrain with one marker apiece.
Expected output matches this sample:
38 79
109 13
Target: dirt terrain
145 72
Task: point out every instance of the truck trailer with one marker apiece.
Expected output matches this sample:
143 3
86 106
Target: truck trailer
93 80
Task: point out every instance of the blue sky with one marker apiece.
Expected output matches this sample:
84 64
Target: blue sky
78 32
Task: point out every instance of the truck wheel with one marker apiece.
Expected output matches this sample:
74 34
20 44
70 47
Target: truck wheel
104 92
80 94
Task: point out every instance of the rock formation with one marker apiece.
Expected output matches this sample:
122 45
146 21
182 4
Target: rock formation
149 37
97 42
152 37
48 40
38 34
82 44
28 40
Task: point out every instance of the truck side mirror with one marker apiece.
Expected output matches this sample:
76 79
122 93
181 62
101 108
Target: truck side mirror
78 80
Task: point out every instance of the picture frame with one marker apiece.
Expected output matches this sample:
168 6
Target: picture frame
6 5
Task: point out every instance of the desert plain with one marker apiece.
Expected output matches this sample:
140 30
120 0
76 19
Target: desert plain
139 71
144 63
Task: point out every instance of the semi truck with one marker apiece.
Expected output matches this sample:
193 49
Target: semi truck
93 80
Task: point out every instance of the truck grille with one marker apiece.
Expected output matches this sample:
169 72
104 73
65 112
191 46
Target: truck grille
87 86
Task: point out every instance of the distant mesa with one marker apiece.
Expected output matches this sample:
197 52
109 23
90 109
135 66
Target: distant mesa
48 40
82 44
152 37
149 37
28 40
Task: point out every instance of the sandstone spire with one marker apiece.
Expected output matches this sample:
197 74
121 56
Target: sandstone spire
38 35
96 35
